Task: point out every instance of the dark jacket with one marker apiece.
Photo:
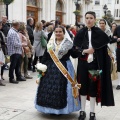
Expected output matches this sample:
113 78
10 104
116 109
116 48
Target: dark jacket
71 36
2 43
116 33
5 29
99 41
30 31
49 36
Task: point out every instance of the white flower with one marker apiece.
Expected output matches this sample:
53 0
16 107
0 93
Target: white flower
41 67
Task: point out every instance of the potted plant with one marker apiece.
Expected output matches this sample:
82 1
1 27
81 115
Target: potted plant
6 1
77 12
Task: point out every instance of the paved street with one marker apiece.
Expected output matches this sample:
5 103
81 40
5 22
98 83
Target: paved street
17 103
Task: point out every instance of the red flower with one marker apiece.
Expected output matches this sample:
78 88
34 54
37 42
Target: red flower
94 78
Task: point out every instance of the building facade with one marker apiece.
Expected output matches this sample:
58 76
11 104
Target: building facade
112 5
59 9
41 9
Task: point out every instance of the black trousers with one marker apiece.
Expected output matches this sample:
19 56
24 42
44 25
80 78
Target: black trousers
36 58
16 60
2 69
30 62
88 87
118 59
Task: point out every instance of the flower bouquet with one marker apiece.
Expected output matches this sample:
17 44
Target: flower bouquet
94 75
41 69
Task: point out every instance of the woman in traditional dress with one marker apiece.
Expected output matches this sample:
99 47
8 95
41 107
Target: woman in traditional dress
111 47
54 94
113 27
91 45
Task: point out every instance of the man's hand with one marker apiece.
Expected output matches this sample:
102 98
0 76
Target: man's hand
88 51
118 39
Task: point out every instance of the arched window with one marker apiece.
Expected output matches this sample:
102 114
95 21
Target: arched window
32 2
59 6
59 10
32 9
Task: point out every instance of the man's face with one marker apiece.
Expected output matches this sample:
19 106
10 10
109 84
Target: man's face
4 19
90 20
31 22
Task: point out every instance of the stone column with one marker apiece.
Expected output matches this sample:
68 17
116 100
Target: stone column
2 9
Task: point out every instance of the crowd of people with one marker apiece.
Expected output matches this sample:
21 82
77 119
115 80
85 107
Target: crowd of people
22 43
95 46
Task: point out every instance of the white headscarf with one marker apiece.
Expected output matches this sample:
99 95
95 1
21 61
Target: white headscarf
50 43
107 27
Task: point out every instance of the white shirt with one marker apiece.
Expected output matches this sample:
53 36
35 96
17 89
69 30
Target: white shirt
89 36
90 56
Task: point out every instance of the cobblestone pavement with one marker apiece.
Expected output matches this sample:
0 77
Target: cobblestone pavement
17 103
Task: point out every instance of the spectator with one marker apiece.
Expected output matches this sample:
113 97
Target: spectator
73 29
15 52
81 26
30 29
4 48
2 58
44 24
5 25
39 50
26 50
50 31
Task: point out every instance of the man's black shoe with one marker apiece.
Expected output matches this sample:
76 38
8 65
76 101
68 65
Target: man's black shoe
82 115
118 87
92 116
21 79
13 81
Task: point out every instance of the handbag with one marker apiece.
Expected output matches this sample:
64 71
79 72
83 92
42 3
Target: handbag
7 59
43 41
26 49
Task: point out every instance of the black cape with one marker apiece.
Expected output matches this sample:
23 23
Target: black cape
99 42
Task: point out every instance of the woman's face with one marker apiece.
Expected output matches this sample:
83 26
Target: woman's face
113 26
59 35
90 20
102 24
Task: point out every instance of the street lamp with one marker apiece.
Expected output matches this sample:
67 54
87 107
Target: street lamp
77 2
7 2
105 9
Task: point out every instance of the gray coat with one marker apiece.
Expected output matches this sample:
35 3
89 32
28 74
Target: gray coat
39 50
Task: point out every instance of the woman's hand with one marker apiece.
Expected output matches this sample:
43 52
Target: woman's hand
88 51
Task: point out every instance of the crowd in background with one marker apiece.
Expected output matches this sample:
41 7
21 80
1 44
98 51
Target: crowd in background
21 42
20 45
